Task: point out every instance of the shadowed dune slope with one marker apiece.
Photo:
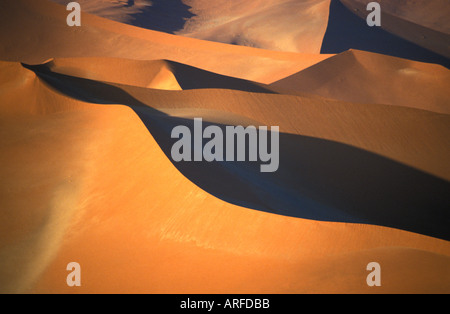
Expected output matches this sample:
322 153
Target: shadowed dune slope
399 129
86 173
364 77
422 22
306 185
26 38
160 15
297 26
104 194
347 31
157 74
285 25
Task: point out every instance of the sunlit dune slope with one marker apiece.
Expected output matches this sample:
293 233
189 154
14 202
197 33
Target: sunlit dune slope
350 123
285 25
35 31
157 74
87 176
306 136
365 77
102 193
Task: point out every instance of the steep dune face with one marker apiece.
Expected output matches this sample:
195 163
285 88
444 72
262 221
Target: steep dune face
156 74
86 173
122 215
161 15
347 30
26 38
285 25
260 23
311 134
297 26
349 123
419 21
429 14
364 77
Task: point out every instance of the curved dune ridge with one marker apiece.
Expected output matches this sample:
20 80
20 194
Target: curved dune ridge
52 39
155 74
297 26
410 84
277 193
141 234
284 25
416 30
347 29
87 175
420 21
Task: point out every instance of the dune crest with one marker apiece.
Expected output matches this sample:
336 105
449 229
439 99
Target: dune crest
284 25
366 77
113 224
54 39
422 22
87 173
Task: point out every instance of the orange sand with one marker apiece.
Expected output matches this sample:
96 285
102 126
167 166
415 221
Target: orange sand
85 181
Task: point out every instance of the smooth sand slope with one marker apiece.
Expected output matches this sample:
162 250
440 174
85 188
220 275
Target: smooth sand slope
155 74
364 77
348 123
419 21
85 175
284 25
288 25
120 207
26 38
347 29
306 135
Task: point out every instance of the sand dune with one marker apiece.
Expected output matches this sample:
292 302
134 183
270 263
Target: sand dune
157 74
161 15
281 186
297 26
364 77
285 25
260 23
346 30
86 173
126 215
348 123
23 41
422 22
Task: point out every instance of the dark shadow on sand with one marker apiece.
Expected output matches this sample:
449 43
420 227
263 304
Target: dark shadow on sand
189 77
321 180
348 31
166 16
317 179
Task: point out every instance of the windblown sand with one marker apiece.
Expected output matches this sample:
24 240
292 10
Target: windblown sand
84 176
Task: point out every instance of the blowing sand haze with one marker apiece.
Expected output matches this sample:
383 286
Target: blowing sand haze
351 121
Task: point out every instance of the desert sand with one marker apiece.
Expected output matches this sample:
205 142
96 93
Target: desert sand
86 174
419 21
283 25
